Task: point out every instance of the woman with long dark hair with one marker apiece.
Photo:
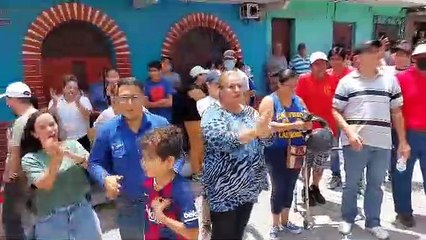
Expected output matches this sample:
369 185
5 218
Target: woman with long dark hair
56 170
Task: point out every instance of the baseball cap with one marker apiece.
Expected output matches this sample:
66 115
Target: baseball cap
366 46
403 46
317 56
229 54
212 77
420 49
197 70
17 90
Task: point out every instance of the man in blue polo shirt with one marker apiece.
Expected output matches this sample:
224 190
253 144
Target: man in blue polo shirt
115 158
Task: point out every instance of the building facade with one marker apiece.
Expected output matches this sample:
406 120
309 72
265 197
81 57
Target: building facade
320 24
42 40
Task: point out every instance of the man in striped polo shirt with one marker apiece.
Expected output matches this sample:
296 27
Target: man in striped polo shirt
300 63
363 104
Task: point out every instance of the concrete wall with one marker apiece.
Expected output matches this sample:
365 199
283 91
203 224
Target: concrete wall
145 29
313 21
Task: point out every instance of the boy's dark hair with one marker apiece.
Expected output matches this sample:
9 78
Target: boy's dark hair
165 142
130 82
154 64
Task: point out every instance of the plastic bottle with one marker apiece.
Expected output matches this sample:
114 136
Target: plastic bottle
401 164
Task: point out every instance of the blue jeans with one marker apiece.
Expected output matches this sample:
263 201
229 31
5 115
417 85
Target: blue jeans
131 218
376 160
401 181
335 159
77 221
283 179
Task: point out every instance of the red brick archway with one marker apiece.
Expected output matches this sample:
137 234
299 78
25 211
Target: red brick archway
199 20
53 17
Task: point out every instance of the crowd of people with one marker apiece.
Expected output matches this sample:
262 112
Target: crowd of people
187 159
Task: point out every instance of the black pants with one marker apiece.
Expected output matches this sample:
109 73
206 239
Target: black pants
85 142
15 197
231 224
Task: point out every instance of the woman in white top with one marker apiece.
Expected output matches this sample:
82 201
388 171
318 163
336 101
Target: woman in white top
73 111
212 81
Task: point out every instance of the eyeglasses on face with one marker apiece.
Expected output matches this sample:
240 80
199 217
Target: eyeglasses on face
128 99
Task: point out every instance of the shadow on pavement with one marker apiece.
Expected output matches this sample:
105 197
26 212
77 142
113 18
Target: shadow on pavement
252 233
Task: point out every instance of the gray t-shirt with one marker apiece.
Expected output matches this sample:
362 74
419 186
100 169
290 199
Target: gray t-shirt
366 105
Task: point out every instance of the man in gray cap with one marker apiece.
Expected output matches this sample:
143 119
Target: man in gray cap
18 99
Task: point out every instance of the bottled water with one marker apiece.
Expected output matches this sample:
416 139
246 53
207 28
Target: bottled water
401 164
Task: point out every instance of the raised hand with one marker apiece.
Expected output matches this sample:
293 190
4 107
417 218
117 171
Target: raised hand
54 96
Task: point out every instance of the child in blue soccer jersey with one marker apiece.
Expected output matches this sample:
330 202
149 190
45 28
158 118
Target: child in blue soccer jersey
170 209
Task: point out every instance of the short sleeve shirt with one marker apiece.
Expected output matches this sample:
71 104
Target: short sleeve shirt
182 208
70 186
14 133
18 127
366 104
72 122
156 91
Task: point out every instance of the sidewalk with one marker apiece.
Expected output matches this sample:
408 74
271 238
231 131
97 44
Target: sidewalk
326 217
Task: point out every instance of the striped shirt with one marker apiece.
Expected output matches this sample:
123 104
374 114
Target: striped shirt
366 104
300 65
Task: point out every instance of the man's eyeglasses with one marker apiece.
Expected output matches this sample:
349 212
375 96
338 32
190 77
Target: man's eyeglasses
128 99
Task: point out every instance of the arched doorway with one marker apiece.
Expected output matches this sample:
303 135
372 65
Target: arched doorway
59 16
199 46
198 39
78 48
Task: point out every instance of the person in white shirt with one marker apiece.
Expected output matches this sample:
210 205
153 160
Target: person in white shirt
212 81
73 112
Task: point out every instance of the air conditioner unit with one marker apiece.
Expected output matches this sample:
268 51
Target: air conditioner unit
249 11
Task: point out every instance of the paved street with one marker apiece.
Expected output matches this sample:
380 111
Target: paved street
326 217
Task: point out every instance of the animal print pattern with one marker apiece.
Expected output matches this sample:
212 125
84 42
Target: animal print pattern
233 173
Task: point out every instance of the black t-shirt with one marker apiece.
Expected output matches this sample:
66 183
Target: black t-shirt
184 108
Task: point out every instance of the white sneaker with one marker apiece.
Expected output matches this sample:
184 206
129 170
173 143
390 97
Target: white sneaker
345 228
379 232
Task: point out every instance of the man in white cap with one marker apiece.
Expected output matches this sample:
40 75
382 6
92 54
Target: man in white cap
316 88
18 99
413 87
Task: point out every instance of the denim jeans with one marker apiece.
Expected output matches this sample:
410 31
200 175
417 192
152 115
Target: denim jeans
335 158
402 181
18 222
77 222
376 160
131 218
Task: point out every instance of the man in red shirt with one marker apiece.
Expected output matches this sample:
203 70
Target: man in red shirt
413 87
317 90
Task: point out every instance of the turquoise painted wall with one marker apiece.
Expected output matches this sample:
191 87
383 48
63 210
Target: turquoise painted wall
145 29
313 22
